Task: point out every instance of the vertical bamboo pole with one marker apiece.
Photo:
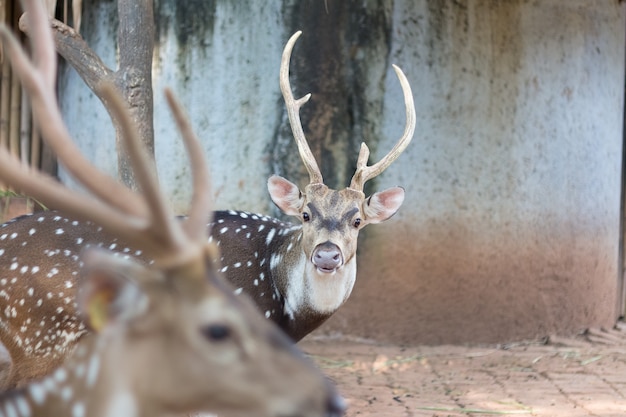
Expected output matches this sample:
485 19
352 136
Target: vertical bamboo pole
25 128
16 100
5 81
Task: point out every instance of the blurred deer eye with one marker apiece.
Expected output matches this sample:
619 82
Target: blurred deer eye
306 217
357 222
216 332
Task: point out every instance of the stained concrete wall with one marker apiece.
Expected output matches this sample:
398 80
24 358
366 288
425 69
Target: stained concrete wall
511 225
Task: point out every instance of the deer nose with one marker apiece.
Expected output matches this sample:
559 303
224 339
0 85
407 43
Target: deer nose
327 257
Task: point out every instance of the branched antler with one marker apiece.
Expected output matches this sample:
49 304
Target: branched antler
144 221
363 172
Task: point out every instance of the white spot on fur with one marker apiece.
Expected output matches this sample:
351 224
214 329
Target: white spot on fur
23 408
67 393
37 392
275 259
78 410
122 404
92 370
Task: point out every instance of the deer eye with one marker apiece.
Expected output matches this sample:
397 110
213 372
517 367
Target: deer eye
216 332
357 222
306 217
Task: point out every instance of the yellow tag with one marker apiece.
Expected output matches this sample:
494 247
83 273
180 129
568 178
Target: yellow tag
98 309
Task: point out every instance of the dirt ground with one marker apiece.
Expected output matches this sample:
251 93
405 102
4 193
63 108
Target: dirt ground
583 376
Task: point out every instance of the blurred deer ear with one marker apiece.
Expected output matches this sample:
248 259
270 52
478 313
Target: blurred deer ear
107 292
285 194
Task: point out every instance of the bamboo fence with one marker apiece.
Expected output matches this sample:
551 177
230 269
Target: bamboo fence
17 131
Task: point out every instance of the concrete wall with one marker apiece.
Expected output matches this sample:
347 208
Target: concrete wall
511 225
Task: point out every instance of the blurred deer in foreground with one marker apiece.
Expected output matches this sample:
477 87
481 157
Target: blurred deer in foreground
170 336
297 275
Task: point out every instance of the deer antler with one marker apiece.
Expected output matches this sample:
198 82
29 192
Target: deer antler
145 222
365 173
293 110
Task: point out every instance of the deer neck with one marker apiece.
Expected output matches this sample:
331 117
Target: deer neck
308 294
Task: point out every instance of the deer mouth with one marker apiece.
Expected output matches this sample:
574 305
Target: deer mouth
323 270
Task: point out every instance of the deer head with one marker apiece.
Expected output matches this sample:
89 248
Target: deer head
171 337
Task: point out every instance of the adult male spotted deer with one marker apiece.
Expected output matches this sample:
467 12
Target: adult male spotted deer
171 337
298 275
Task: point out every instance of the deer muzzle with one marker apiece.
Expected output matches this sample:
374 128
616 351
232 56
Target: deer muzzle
327 257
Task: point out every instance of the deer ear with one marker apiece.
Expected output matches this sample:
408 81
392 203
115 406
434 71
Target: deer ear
382 205
106 292
285 194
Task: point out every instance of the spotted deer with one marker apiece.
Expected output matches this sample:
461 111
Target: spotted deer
169 335
297 274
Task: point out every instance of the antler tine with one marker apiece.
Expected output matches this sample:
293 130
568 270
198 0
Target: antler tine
161 226
43 47
146 223
363 172
39 82
201 202
293 110
46 189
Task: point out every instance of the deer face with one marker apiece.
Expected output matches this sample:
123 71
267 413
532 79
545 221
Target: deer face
218 354
331 219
